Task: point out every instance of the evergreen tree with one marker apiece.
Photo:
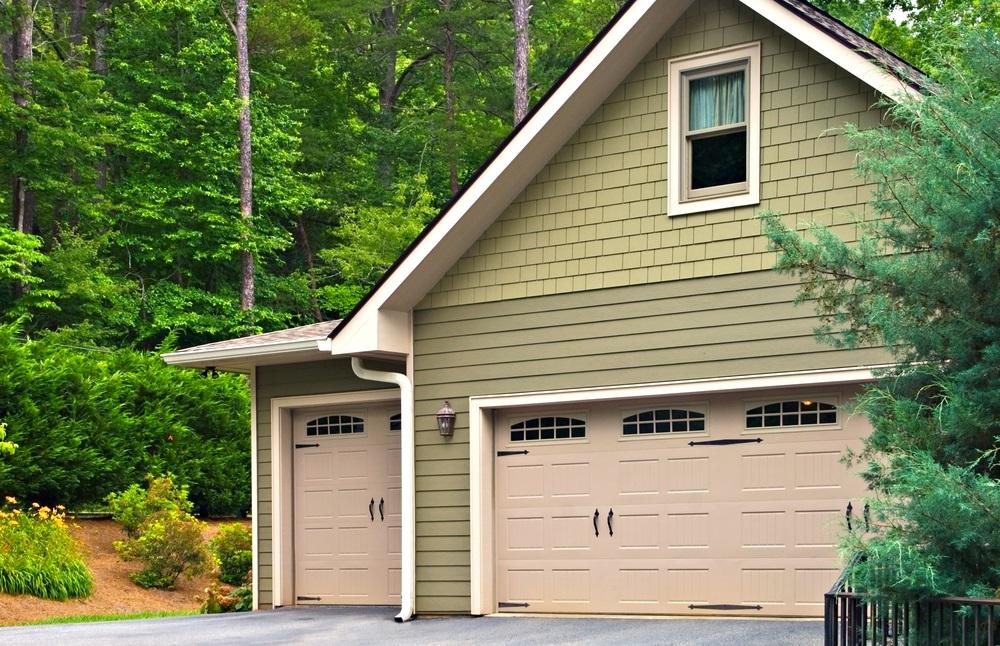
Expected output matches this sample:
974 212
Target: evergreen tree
922 281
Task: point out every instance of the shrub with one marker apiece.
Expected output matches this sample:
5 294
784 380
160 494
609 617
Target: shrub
170 543
93 422
236 600
232 547
38 556
133 506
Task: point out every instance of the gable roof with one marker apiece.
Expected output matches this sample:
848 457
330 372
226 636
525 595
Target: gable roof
595 73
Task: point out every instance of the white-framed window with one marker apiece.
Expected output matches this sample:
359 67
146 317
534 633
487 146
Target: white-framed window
714 130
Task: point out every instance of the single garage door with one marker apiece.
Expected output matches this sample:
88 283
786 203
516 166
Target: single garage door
347 506
726 505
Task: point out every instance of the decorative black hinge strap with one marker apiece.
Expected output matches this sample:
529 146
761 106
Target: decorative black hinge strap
511 604
300 598
306 446
848 515
500 454
741 440
724 606
868 523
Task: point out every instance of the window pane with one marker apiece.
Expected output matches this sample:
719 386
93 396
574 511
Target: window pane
720 160
716 101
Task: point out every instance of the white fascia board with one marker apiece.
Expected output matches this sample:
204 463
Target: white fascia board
539 139
832 49
208 357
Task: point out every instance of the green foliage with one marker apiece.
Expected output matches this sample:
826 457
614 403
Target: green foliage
38 556
371 240
920 31
133 506
232 548
6 447
921 280
90 422
170 543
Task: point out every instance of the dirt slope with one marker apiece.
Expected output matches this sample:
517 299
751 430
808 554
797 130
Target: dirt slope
114 593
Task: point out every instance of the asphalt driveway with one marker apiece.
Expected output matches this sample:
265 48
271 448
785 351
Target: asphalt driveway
331 625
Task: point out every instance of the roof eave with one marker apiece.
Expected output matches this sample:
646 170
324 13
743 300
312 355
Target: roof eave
243 358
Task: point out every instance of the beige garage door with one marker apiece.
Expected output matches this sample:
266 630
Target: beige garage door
727 505
347 506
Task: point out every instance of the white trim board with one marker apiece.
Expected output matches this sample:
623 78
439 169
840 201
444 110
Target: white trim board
481 444
282 484
254 495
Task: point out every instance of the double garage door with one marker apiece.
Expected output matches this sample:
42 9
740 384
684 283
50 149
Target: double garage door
726 505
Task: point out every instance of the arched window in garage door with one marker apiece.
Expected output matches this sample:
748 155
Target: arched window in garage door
663 420
335 425
796 412
548 428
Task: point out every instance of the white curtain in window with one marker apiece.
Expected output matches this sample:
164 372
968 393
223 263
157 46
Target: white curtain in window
716 100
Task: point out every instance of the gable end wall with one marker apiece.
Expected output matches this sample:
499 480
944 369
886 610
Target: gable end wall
585 281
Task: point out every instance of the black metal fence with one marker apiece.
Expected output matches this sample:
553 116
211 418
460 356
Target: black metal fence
852 620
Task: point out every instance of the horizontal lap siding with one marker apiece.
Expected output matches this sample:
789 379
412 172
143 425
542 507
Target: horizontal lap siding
292 380
700 328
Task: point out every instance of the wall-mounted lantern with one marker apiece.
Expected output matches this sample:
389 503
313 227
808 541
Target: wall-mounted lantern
446 420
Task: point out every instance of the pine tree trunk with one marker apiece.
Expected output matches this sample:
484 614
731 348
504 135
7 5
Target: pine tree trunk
388 91
449 56
22 201
100 66
77 13
101 35
247 287
522 12
307 251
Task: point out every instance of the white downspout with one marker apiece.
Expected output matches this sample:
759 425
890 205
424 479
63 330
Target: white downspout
408 574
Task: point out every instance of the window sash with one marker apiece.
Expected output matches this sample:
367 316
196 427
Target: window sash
689 134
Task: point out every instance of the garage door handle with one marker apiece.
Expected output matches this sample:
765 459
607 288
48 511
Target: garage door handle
597 515
381 509
611 514
371 509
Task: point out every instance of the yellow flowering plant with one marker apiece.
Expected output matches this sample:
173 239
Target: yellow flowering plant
38 556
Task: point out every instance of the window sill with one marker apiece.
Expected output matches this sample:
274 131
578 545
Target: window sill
713 204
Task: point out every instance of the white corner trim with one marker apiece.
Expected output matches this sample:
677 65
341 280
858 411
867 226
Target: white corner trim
832 49
481 444
254 508
282 484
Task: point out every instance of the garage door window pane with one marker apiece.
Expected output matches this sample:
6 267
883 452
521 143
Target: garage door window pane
335 425
681 421
396 422
548 428
804 412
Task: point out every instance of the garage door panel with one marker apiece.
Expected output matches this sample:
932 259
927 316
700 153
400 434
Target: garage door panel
345 551
742 524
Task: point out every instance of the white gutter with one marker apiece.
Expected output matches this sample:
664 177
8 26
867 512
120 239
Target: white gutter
408 481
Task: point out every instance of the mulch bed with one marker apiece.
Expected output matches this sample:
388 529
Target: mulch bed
114 592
